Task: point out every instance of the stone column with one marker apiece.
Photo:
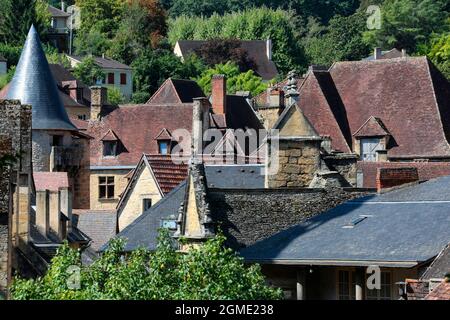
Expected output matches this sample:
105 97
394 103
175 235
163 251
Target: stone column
359 285
301 281
54 214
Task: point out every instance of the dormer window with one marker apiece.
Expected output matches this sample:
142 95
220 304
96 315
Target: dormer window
164 140
110 144
164 146
371 140
109 148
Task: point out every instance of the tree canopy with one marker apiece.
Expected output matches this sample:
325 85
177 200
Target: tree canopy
209 272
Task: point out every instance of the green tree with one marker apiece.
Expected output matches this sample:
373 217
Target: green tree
153 67
407 23
88 71
440 53
115 97
236 81
17 16
340 40
209 272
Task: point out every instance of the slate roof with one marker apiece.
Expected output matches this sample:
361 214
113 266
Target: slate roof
100 226
143 231
34 84
256 50
440 266
136 126
105 63
57 13
177 91
401 228
52 181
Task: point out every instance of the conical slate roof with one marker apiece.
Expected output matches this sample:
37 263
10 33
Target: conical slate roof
33 84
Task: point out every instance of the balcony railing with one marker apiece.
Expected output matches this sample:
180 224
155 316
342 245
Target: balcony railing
64 157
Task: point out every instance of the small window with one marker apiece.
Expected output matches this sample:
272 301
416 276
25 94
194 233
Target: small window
106 187
164 146
123 78
146 204
109 148
346 285
57 141
82 117
111 78
385 292
169 224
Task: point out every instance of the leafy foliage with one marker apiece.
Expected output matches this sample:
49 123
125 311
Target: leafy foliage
88 71
236 81
440 53
252 24
115 97
407 23
208 272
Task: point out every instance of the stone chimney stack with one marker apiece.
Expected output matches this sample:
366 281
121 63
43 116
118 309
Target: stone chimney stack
269 49
55 214
66 206
42 211
99 98
404 54
63 6
200 123
377 53
219 94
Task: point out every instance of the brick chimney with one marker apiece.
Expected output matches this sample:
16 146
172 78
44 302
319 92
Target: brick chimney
377 53
388 178
98 100
219 93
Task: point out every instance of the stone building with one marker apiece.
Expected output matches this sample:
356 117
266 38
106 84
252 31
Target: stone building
358 106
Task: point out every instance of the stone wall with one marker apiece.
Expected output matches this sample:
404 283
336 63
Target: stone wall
269 116
298 159
345 164
120 183
81 178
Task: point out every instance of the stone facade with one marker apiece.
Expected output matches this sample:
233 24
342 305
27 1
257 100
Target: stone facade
298 160
345 164
269 116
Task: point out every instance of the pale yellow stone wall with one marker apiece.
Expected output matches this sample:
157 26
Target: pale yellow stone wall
270 116
120 183
145 188
296 124
192 223
74 112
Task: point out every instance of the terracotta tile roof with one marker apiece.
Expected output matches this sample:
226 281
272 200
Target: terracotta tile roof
427 170
409 91
105 63
372 127
164 134
177 91
80 124
416 289
136 126
441 292
52 181
167 174
57 13
110 136
323 107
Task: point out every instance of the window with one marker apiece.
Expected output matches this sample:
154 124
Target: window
146 204
109 148
123 78
385 292
111 78
82 117
369 149
169 224
57 141
164 147
106 187
346 285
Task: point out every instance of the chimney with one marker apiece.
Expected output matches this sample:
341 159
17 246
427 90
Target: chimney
98 101
200 123
276 97
63 6
73 89
377 53
219 94
66 206
293 162
404 54
55 213
269 49
388 178
42 211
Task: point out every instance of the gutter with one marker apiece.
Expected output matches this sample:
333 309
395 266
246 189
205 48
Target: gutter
350 263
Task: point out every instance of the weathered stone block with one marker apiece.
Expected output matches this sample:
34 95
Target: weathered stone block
291 168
